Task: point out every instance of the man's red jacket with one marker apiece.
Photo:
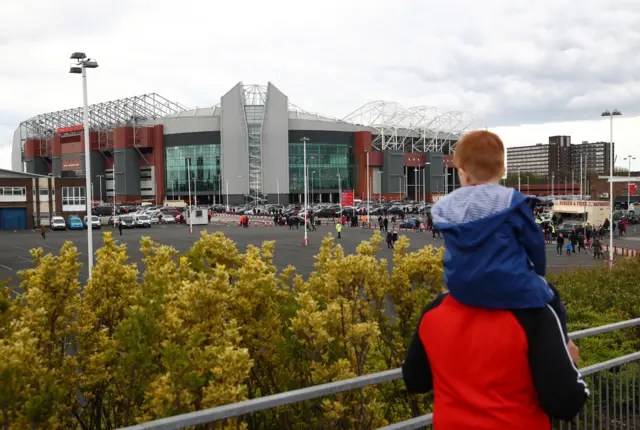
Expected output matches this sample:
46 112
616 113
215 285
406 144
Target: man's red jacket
493 369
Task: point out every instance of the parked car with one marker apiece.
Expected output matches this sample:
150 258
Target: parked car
168 218
95 222
75 223
58 223
127 221
143 221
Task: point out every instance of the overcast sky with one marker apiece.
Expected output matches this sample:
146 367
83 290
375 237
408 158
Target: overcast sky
529 69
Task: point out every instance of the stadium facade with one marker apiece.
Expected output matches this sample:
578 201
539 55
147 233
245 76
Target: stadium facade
146 148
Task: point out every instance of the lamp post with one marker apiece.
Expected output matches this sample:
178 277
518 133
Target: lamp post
611 114
518 179
553 179
340 192
226 184
424 182
189 185
82 64
528 187
278 189
306 201
379 172
368 195
629 157
100 179
311 184
400 187
415 174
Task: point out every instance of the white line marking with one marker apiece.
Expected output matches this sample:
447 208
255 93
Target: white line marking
19 247
6 267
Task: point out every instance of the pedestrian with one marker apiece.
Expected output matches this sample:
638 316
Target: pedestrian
559 244
43 231
394 238
623 227
386 224
339 230
597 249
389 240
380 224
569 248
581 241
120 228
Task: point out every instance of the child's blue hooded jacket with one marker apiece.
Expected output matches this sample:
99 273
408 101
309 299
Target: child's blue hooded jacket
494 251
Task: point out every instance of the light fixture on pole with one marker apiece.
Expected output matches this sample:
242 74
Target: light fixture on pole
311 184
379 172
306 201
82 64
190 203
340 192
629 157
368 195
424 182
226 184
611 114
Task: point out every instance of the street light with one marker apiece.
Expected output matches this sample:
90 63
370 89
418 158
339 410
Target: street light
82 64
226 184
306 200
380 185
368 195
611 114
424 182
278 189
400 187
415 193
312 173
519 180
340 192
190 204
629 157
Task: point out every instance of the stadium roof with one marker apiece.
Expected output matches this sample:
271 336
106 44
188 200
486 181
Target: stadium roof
417 129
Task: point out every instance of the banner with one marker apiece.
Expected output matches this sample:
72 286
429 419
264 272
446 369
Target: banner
346 199
632 189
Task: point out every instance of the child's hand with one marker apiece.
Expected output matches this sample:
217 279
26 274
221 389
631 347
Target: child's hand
574 352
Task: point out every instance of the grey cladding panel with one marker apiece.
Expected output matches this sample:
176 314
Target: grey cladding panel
275 143
392 172
127 172
338 137
235 142
435 172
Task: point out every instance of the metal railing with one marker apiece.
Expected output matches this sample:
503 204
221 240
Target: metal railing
596 371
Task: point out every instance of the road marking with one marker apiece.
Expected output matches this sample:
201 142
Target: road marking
6 267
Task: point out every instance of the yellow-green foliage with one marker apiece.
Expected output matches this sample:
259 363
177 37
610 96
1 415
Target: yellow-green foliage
216 326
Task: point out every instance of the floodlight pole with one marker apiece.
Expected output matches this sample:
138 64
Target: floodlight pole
190 204
82 63
306 189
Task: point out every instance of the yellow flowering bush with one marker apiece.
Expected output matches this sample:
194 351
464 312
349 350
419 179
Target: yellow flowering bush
216 325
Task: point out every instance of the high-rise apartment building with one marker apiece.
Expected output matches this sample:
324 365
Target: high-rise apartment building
559 157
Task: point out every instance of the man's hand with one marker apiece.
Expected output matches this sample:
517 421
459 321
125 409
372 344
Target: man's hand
574 352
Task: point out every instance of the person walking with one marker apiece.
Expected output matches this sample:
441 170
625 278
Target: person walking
559 244
581 241
380 224
386 224
339 230
120 228
597 249
43 231
389 240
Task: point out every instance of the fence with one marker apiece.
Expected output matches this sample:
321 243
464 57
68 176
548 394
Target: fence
605 380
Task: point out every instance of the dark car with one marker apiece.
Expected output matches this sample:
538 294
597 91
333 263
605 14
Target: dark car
567 227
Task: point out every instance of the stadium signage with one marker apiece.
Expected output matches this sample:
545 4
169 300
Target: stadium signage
72 129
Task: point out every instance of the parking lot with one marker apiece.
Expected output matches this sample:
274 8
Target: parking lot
15 246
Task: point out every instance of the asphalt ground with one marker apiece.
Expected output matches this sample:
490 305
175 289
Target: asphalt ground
15 245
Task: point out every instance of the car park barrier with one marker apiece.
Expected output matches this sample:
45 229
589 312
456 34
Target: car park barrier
619 250
613 384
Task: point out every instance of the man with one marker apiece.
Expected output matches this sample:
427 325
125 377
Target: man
494 369
386 224
339 230
120 228
43 231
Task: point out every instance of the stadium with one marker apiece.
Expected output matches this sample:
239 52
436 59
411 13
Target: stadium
248 146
